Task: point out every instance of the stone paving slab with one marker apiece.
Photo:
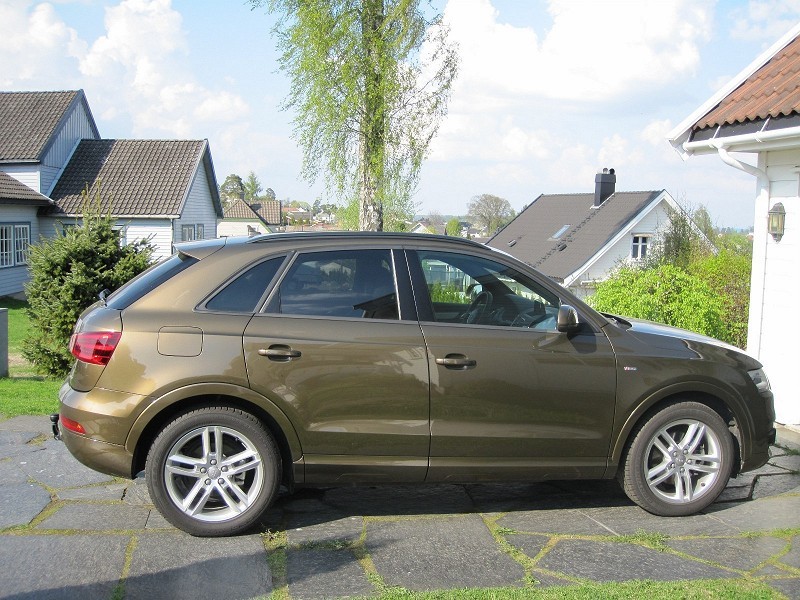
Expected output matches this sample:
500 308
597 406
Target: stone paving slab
178 566
792 558
744 554
53 465
628 520
115 491
97 517
431 554
779 512
788 587
399 500
320 573
610 561
20 503
10 472
566 522
772 485
324 528
62 567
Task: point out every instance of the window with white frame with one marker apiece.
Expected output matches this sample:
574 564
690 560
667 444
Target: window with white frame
187 233
15 240
640 246
192 232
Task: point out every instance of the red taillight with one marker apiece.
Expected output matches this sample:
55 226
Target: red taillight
72 425
94 347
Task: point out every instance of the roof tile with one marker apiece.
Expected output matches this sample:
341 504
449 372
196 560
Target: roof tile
28 120
139 177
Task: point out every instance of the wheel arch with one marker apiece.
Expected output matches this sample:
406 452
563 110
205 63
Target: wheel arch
161 411
714 397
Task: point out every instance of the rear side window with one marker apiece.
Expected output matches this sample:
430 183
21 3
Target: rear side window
149 280
243 293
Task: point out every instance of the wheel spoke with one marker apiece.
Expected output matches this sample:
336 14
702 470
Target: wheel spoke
687 486
182 471
189 499
694 435
247 460
201 504
705 468
236 507
659 474
659 445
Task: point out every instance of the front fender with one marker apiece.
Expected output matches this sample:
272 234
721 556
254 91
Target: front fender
685 389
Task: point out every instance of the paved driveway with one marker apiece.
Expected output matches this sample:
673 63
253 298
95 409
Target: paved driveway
67 532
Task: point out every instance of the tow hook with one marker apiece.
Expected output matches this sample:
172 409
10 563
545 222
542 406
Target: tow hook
54 422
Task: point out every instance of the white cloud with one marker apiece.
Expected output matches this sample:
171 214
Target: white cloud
655 133
35 45
143 54
592 51
764 20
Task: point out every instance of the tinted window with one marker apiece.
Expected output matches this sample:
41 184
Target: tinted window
243 293
149 280
350 283
478 291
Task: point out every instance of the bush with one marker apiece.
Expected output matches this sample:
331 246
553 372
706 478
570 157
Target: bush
665 294
728 274
67 274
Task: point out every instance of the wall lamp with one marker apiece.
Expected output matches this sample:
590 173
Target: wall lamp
777 221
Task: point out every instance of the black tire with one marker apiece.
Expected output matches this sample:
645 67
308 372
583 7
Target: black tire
679 460
210 492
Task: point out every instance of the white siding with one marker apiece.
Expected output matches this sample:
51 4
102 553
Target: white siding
13 279
620 252
198 208
230 228
775 285
75 128
158 231
25 174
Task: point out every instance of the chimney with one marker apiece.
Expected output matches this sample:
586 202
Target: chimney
604 185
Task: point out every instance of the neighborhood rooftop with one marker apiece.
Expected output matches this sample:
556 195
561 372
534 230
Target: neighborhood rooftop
139 177
29 120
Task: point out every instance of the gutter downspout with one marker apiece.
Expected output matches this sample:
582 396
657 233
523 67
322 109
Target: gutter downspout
737 164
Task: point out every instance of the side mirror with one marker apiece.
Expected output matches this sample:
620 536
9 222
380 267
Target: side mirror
567 320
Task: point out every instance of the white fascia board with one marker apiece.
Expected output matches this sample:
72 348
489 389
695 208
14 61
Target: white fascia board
678 136
664 195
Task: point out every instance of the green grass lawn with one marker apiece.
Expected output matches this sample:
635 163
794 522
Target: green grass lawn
24 392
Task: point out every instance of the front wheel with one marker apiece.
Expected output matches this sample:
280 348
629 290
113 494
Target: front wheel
213 471
679 461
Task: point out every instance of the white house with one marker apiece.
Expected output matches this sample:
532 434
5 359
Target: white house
241 218
164 190
579 239
758 112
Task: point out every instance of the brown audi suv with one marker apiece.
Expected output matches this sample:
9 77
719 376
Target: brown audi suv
238 365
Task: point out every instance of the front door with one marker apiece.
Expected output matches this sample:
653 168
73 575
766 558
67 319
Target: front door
510 395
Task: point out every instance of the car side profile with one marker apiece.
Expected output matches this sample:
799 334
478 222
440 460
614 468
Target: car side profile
239 365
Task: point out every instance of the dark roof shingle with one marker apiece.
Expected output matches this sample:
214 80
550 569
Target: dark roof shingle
29 120
139 177
530 237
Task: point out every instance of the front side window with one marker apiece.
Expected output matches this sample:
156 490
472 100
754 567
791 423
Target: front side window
344 283
15 243
640 246
478 291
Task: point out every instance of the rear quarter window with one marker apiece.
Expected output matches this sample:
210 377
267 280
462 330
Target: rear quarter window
244 293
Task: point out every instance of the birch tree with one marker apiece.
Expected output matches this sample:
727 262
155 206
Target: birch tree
370 82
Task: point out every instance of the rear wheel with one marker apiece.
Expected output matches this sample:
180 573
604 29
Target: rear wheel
213 471
679 461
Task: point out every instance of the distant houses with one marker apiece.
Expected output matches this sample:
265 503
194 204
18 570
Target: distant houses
162 190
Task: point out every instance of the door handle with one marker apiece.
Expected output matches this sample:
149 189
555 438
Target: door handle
279 353
457 362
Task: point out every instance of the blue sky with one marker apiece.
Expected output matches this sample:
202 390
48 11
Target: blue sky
549 92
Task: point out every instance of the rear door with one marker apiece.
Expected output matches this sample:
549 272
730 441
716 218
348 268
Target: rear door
331 349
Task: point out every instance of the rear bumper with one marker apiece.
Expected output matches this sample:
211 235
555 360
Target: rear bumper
99 456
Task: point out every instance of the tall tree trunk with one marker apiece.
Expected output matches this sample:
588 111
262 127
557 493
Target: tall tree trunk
373 126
